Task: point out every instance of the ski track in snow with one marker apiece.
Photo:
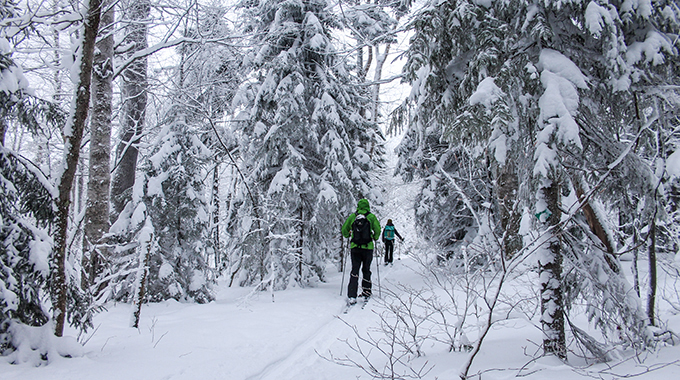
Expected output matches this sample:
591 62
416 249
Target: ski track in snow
302 356
307 355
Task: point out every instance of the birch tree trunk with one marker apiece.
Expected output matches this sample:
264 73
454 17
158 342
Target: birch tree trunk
97 207
379 63
134 103
73 135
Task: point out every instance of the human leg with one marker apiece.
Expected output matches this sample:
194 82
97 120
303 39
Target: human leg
389 251
354 273
366 258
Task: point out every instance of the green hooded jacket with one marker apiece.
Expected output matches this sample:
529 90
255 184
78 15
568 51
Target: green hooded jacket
362 208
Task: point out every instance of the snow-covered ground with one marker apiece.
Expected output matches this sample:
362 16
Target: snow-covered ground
301 334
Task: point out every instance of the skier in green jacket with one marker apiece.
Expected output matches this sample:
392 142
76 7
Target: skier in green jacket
363 233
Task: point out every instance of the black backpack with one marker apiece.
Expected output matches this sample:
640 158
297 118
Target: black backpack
361 230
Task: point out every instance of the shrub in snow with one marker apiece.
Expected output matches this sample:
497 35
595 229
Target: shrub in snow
38 345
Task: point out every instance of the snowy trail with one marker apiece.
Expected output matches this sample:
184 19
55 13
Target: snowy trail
305 360
398 200
302 356
306 356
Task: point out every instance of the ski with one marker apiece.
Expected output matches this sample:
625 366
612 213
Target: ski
347 306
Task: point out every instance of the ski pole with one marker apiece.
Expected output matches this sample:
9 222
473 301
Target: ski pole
343 266
377 264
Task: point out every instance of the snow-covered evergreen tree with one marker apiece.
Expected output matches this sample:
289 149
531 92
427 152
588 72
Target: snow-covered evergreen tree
171 209
306 147
176 199
212 71
26 203
26 213
498 77
170 204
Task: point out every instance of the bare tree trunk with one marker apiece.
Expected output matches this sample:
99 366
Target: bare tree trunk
98 186
636 272
146 238
216 214
379 63
57 55
651 292
79 191
73 135
597 228
301 240
361 70
550 274
134 104
506 187
361 73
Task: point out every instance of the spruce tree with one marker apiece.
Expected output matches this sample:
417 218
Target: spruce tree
26 203
307 148
498 77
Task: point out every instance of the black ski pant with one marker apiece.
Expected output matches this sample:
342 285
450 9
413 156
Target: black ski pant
389 251
361 259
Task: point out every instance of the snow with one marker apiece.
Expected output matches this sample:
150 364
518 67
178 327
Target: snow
40 250
642 8
281 180
318 42
165 271
197 280
673 164
154 185
11 79
244 336
35 342
555 62
302 334
168 147
499 147
560 78
327 193
597 17
487 93
483 3
651 48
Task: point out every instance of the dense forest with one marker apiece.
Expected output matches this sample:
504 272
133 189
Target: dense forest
149 149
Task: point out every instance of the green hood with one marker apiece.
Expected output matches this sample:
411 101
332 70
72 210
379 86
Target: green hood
363 207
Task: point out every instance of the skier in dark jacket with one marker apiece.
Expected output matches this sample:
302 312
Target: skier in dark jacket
362 255
388 240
